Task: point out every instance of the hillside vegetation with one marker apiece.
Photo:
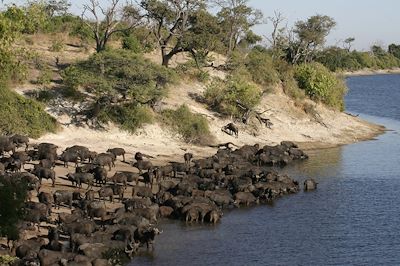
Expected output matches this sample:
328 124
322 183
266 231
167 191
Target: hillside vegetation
127 62
24 116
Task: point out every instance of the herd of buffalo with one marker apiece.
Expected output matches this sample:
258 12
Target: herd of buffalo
100 211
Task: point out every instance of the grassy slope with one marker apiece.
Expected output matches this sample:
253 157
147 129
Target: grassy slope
25 116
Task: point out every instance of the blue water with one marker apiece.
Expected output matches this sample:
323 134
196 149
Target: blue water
352 219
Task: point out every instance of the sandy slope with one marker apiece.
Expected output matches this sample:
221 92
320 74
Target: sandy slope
330 128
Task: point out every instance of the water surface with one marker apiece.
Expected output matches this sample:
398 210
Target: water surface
352 219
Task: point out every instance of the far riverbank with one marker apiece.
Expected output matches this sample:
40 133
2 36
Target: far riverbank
369 72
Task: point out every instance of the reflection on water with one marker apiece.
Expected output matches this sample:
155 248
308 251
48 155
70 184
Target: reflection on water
352 219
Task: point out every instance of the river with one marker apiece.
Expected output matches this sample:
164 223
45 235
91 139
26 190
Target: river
352 219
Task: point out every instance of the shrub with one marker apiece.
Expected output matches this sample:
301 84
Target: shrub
116 72
261 68
45 76
131 43
321 84
223 95
24 116
289 83
57 46
192 127
130 117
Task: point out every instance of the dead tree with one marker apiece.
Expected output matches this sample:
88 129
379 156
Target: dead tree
248 112
104 22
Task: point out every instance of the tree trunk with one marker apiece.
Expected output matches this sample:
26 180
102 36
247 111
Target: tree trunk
165 60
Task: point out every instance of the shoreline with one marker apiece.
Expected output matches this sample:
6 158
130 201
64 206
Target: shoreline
312 146
370 72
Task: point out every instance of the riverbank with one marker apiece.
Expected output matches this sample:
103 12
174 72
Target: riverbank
369 72
311 125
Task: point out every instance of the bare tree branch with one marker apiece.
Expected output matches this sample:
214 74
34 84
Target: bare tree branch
115 20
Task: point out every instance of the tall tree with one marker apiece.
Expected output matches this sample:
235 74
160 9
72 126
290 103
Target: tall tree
203 36
236 19
106 21
308 36
170 23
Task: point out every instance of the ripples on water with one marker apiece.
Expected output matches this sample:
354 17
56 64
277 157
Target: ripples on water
352 219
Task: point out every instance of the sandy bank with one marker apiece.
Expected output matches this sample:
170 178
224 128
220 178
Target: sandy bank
319 127
368 72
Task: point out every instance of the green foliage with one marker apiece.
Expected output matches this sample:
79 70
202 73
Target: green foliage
289 83
25 116
11 25
45 76
12 196
57 46
36 18
236 19
203 36
310 36
365 59
131 43
223 95
65 23
261 68
190 71
80 30
321 84
337 59
120 72
147 40
394 50
129 116
193 128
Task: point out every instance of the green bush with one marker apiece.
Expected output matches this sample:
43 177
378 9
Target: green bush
261 68
286 75
193 128
116 72
24 116
223 95
321 84
129 117
63 23
131 43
